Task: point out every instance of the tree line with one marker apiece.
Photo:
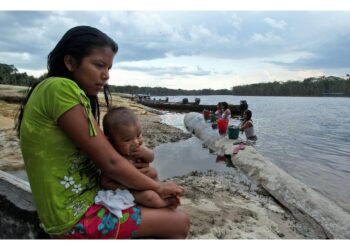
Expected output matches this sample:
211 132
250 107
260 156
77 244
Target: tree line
159 91
9 75
313 86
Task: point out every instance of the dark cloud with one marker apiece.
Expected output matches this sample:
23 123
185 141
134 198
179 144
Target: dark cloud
135 52
28 32
145 36
164 71
331 54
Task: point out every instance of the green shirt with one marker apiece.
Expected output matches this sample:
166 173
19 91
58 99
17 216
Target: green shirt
57 170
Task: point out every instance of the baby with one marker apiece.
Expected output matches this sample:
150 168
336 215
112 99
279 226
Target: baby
123 129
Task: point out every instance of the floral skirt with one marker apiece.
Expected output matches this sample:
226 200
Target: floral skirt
99 223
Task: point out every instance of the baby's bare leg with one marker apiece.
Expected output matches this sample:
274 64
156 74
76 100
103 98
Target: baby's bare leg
149 198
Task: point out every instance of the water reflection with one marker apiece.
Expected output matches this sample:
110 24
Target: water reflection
183 157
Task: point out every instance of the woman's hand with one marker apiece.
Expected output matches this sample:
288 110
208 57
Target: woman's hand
168 189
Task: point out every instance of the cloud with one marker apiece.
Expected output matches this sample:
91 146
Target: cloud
275 24
266 39
151 41
236 21
168 71
332 53
201 34
25 57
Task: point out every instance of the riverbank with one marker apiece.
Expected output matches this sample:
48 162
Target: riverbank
220 206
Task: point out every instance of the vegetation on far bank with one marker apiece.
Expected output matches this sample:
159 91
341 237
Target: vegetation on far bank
313 86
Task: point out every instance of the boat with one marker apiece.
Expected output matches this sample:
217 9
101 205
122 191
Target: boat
186 106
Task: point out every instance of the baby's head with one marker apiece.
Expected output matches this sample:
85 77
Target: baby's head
123 129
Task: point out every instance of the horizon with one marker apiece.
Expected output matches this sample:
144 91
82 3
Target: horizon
280 82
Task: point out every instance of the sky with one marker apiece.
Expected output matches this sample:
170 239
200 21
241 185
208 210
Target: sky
190 49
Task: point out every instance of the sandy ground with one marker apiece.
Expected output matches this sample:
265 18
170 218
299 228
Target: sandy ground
220 206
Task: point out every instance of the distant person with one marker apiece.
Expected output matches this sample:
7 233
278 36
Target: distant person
219 111
123 129
226 112
65 151
247 126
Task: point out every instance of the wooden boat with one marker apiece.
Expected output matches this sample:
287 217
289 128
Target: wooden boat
185 106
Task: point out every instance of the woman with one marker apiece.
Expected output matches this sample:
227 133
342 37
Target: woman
218 112
226 112
65 151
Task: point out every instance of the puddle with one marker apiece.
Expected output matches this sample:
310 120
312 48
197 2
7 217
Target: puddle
183 157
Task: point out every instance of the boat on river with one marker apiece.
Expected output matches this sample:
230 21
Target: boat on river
186 106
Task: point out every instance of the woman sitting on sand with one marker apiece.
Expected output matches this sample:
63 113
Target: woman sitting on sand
65 151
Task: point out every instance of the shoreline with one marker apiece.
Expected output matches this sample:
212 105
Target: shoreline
219 205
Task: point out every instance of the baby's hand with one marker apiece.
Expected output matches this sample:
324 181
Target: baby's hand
143 153
138 152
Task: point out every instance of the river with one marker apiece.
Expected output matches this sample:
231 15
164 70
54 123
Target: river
308 137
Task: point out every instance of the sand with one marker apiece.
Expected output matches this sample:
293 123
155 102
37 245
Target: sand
220 206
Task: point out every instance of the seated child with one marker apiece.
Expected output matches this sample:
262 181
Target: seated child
247 126
123 129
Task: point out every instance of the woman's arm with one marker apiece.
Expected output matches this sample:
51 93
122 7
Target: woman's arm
226 114
107 183
75 124
245 125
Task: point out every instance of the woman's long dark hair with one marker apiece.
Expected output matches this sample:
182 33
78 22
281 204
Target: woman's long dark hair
77 42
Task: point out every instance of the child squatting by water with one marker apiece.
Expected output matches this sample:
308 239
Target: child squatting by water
247 126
